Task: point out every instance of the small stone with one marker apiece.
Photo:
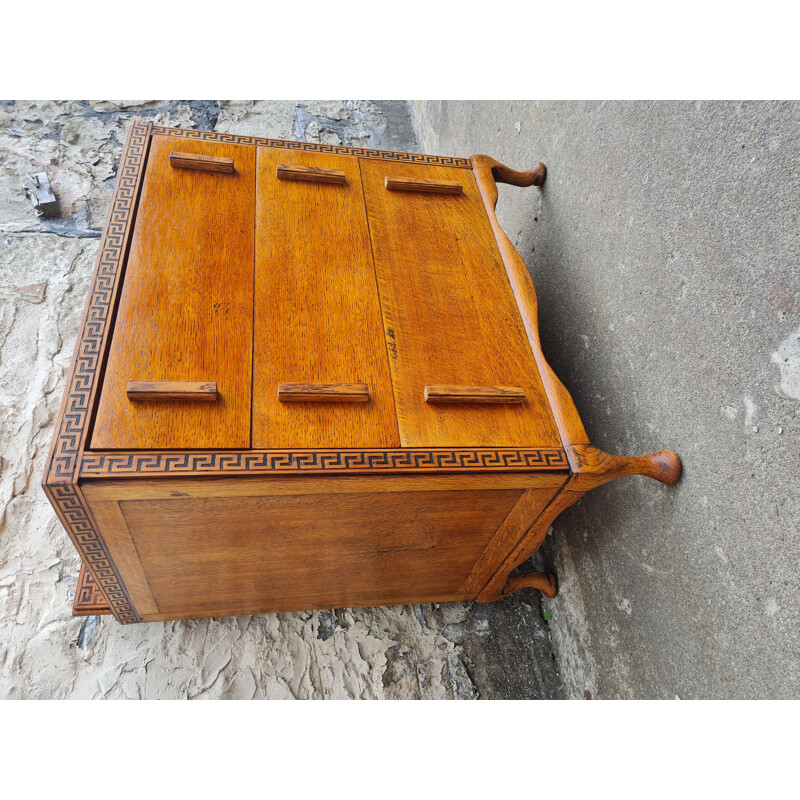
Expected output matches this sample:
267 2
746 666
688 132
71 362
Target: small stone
38 189
755 428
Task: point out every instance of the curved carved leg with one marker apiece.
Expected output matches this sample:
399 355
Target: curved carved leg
503 174
590 466
593 467
545 582
500 585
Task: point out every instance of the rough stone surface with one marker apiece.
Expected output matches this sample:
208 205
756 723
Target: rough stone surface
455 650
664 247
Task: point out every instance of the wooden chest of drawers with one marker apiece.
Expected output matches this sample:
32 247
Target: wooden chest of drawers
309 376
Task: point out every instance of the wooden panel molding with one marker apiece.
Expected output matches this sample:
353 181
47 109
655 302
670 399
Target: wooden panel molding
329 462
317 311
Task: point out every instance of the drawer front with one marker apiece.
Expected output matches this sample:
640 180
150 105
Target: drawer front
462 369
180 364
321 374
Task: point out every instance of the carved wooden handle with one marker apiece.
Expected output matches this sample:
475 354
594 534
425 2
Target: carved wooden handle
290 172
474 394
323 392
203 391
203 163
422 185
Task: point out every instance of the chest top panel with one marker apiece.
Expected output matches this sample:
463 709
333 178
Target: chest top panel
332 301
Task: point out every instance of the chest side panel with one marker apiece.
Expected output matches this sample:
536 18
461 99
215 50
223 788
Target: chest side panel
186 307
449 315
317 314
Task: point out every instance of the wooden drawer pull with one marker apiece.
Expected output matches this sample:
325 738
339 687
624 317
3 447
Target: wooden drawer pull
323 392
420 185
204 163
291 172
198 391
474 394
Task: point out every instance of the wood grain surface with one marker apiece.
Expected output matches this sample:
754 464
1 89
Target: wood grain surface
395 184
449 314
186 310
474 394
487 172
194 391
511 531
296 552
323 392
299 172
317 314
594 467
201 162
498 586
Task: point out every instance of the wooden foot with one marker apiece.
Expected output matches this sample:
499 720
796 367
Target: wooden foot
545 582
593 467
89 598
503 174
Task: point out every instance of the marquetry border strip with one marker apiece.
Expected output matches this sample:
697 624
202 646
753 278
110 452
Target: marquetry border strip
90 348
89 597
271 462
284 144
71 508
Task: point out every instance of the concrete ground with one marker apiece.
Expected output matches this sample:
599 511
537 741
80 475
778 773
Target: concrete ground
456 650
665 249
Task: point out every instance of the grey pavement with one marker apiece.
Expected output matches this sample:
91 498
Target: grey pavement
665 249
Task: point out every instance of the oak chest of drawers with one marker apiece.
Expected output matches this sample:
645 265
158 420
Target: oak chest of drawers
309 376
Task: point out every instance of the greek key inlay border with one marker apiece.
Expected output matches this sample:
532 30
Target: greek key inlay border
265 462
70 505
334 149
91 337
89 597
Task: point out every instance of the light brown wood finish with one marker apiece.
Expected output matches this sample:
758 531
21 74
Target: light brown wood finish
123 550
201 162
430 258
170 488
596 467
299 172
474 394
592 465
507 536
89 599
487 170
422 185
294 552
498 586
323 392
317 310
324 509
545 582
199 392
186 308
